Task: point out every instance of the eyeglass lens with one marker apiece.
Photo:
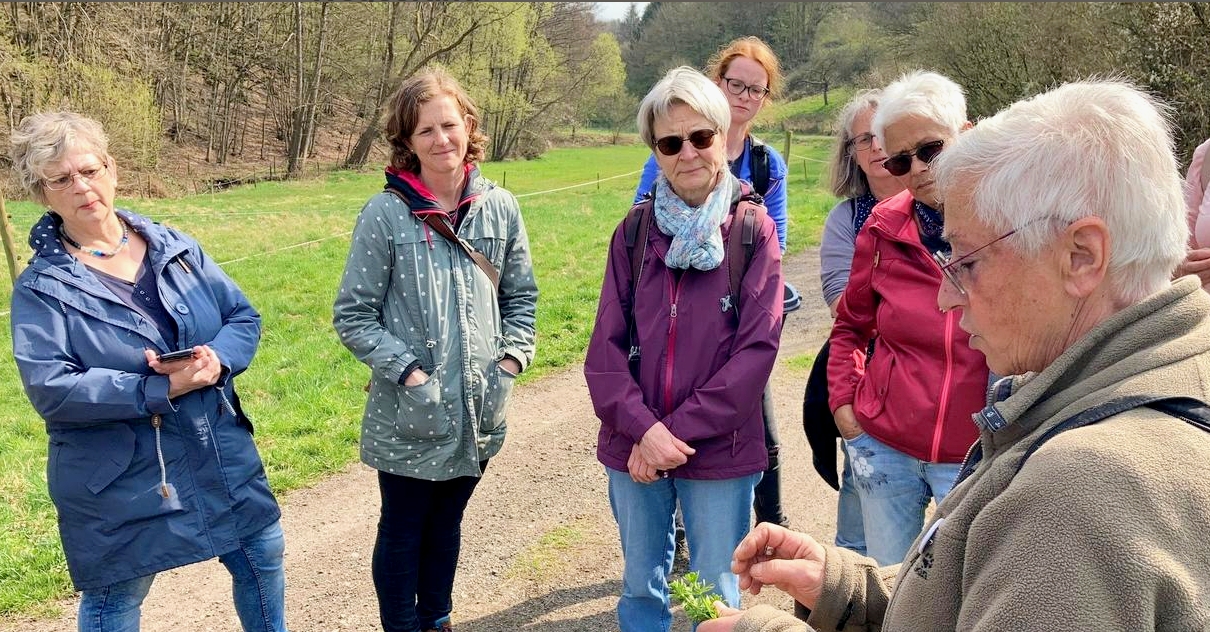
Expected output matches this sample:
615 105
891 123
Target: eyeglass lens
63 181
862 142
943 260
671 145
899 164
737 87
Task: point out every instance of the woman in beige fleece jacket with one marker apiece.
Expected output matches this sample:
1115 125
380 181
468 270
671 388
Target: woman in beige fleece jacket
1066 218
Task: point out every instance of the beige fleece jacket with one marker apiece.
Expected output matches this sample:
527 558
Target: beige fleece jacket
1106 527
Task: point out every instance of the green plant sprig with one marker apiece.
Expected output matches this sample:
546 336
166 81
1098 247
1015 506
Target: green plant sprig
695 597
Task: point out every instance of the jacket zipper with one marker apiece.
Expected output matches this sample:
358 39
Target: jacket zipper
943 404
674 287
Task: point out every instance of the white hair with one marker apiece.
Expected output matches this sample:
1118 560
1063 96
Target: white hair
690 87
921 93
1099 148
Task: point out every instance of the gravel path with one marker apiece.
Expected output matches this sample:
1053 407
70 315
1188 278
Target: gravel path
540 550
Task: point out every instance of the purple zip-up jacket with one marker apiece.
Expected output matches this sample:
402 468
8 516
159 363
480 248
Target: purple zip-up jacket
701 371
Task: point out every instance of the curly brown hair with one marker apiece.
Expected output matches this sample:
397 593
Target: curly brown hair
403 112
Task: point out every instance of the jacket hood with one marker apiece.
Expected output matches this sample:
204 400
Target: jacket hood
422 202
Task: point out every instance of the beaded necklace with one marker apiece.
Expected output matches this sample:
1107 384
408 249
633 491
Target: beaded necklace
101 254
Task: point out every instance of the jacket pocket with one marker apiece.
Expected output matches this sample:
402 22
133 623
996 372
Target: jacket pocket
421 412
873 390
495 399
92 457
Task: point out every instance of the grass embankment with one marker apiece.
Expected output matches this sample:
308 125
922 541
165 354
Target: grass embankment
285 245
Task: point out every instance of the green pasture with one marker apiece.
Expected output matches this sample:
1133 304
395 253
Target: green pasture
285 244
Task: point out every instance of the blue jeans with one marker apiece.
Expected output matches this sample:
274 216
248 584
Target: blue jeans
717 516
895 489
850 527
258 586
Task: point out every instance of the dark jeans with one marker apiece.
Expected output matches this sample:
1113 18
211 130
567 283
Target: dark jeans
416 553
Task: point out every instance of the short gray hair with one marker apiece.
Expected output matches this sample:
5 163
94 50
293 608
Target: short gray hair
921 93
1099 148
45 138
690 87
848 180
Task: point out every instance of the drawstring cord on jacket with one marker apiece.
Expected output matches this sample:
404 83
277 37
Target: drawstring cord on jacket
157 422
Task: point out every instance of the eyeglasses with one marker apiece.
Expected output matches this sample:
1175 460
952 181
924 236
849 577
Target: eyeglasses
954 269
862 142
671 145
64 181
737 87
900 164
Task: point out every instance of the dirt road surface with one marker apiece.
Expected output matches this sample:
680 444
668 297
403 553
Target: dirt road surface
540 548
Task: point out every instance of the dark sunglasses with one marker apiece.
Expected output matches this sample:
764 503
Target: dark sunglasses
900 164
671 145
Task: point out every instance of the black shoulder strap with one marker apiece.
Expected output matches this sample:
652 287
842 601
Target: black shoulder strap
1191 411
634 232
760 166
1187 409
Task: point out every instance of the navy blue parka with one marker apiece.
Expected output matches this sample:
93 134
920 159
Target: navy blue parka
79 351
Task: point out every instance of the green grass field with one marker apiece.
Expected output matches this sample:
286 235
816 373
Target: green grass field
285 244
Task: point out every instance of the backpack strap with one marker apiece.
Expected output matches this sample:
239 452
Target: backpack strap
635 229
759 163
744 226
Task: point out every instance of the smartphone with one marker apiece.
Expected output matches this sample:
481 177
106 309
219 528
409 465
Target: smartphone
183 354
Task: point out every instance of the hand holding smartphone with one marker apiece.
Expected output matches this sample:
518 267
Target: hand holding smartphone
173 356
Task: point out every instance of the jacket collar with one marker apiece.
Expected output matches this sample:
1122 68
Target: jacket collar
47 244
423 202
893 218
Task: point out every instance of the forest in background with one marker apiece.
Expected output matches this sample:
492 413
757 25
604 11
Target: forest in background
220 93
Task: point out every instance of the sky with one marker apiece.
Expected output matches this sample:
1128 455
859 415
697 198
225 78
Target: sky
616 10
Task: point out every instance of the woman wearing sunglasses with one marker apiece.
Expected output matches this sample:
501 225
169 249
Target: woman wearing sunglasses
677 363
906 413
749 74
859 178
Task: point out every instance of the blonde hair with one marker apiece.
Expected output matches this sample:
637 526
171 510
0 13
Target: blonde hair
45 138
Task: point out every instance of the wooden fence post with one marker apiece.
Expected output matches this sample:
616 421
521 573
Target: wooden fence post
15 263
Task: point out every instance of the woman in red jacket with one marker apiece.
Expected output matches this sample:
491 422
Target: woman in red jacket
912 403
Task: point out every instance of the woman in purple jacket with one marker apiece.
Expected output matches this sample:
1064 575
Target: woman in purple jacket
677 364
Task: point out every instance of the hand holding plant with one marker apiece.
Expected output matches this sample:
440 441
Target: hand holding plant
695 597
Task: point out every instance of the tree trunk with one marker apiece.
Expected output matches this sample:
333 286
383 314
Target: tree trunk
294 153
309 136
359 153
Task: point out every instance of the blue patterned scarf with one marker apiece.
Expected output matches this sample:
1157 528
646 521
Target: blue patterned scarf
696 231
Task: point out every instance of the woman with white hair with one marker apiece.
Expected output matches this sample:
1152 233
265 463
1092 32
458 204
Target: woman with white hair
859 178
685 339
904 412
1086 502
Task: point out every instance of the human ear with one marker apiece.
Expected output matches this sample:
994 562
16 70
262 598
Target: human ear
1085 262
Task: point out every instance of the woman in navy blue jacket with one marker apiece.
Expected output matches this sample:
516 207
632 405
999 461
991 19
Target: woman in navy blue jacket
151 463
